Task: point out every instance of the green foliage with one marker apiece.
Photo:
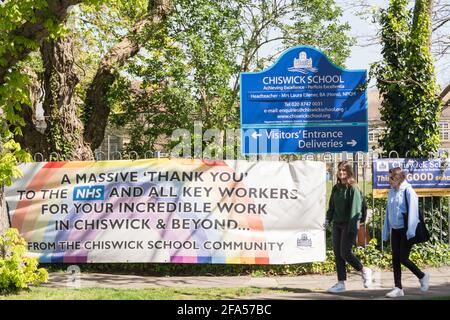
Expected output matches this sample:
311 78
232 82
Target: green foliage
370 255
10 156
318 23
435 212
186 70
15 80
14 14
434 209
13 93
406 81
17 270
14 86
428 254
424 255
94 28
190 67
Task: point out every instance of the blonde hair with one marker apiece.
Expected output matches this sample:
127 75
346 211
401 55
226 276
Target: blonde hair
350 175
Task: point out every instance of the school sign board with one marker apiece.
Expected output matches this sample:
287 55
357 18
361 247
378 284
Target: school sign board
173 211
428 177
303 104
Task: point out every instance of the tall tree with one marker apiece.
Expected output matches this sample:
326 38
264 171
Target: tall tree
65 134
192 72
23 25
32 34
193 59
406 80
440 39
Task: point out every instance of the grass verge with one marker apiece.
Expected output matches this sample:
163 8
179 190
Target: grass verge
42 293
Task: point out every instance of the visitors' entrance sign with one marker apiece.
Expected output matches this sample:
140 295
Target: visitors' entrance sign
303 103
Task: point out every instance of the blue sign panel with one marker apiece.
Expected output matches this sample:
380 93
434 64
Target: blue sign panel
304 93
303 140
428 177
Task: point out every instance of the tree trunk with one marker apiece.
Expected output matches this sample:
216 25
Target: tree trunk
35 30
4 218
65 134
32 139
64 128
96 107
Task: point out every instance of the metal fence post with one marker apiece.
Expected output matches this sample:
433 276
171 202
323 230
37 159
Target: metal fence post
381 228
355 166
109 148
432 212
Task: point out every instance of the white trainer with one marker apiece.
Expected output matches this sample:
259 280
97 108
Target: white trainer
394 293
424 282
337 288
367 277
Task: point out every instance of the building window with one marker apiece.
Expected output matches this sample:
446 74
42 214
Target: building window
444 131
375 134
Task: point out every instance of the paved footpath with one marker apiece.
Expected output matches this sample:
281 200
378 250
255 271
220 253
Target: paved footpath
300 287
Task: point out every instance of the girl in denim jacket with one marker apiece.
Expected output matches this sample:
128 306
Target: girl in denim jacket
394 225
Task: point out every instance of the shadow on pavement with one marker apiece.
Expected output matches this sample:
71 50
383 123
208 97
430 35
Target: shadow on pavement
436 292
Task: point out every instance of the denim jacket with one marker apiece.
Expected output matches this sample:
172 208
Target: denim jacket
396 208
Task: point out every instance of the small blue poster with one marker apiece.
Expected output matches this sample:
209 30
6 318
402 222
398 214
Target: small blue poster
428 177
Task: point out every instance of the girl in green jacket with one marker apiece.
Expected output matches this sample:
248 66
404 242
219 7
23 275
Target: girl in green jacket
344 210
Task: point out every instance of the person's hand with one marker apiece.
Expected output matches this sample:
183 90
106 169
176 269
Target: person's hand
409 235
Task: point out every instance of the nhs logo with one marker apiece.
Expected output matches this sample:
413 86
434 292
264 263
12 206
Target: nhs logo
89 193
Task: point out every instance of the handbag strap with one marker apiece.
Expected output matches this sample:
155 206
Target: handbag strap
406 216
406 200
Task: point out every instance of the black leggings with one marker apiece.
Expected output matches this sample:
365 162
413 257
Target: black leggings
400 255
342 247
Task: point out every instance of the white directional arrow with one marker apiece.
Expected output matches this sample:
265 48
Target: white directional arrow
255 135
352 143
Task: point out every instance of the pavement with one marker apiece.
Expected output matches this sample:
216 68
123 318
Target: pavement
304 287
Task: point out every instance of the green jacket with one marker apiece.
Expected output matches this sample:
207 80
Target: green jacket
345 206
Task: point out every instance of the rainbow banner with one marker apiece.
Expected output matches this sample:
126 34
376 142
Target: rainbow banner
171 210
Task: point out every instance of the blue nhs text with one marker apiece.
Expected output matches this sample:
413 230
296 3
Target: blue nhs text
89 193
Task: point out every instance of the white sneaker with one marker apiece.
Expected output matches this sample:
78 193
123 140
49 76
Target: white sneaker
424 282
337 288
396 292
367 277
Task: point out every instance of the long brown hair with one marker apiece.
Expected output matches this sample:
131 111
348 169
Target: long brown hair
350 175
